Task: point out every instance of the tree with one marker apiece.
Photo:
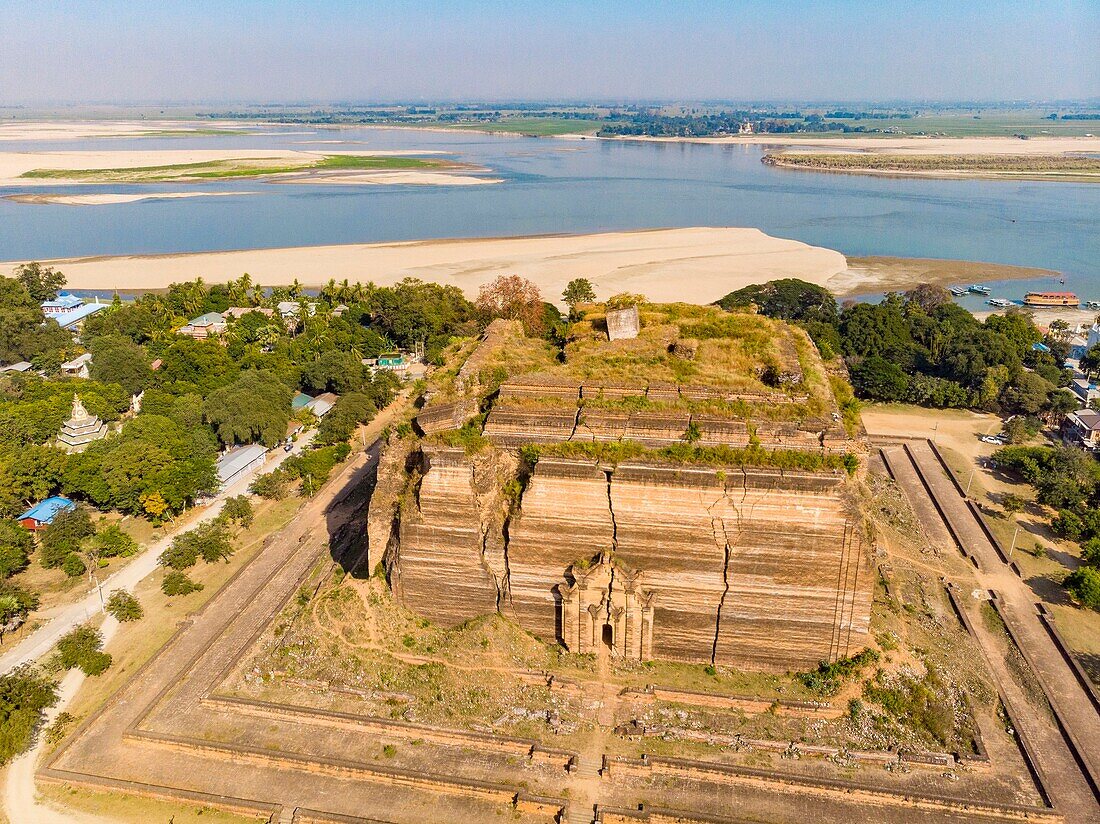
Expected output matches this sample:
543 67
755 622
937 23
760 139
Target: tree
334 371
42 282
255 407
16 544
177 583
117 359
24 695
209 541
928 296
17 604
1027 395
112 542
787 299
514 298
82 648
1084 585
64 536
1016 430
271 485
124 606
1013 504
24 331
1090 361
239 509
578 291
880 380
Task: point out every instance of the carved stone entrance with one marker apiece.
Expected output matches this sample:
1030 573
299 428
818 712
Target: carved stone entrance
605 605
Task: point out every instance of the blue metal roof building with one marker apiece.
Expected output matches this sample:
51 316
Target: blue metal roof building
43 512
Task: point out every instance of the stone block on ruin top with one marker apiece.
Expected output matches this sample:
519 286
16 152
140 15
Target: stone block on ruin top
623 324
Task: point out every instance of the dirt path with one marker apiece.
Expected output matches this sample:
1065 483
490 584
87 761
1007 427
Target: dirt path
1067 782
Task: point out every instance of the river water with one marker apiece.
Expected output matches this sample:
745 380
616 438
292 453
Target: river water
555 185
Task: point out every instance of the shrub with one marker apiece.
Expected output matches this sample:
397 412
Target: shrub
827 678
124 606
177 583
112 542
73 565
272 485
82 648
1084 585
239 509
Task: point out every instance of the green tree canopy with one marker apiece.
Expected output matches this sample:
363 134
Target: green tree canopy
117 359
578 291
254 408
42 282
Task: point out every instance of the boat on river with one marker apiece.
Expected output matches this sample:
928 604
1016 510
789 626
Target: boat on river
1000 303
1047 299
977 289
957 291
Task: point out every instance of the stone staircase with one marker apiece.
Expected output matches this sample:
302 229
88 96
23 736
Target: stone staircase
580 809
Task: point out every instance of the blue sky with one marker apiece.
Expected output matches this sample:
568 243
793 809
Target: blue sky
55 51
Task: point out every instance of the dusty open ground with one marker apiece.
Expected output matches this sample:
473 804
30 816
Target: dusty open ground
82 129
695 265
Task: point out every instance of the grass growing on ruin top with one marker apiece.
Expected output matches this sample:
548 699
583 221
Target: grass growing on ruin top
616 452
237 167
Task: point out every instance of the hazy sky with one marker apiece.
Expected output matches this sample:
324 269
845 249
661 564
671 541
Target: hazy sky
328 50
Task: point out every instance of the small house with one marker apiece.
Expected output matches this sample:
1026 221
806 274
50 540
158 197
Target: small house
205 326
21 366
77 367
240 463
42 513
1082 429
322 404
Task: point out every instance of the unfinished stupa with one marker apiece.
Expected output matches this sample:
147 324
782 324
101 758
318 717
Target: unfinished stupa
686 494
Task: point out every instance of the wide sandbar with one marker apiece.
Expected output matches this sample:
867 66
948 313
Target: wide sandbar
697 264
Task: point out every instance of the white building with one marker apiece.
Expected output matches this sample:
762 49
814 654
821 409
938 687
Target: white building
77 367
239 463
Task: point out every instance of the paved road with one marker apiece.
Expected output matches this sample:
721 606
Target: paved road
1067 781
41 641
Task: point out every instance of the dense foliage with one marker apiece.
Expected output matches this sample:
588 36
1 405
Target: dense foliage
24 695
920 347
82 648
1069 481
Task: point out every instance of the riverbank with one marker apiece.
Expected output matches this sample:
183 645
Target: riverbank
880 273
697 265
897 145
1060 167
